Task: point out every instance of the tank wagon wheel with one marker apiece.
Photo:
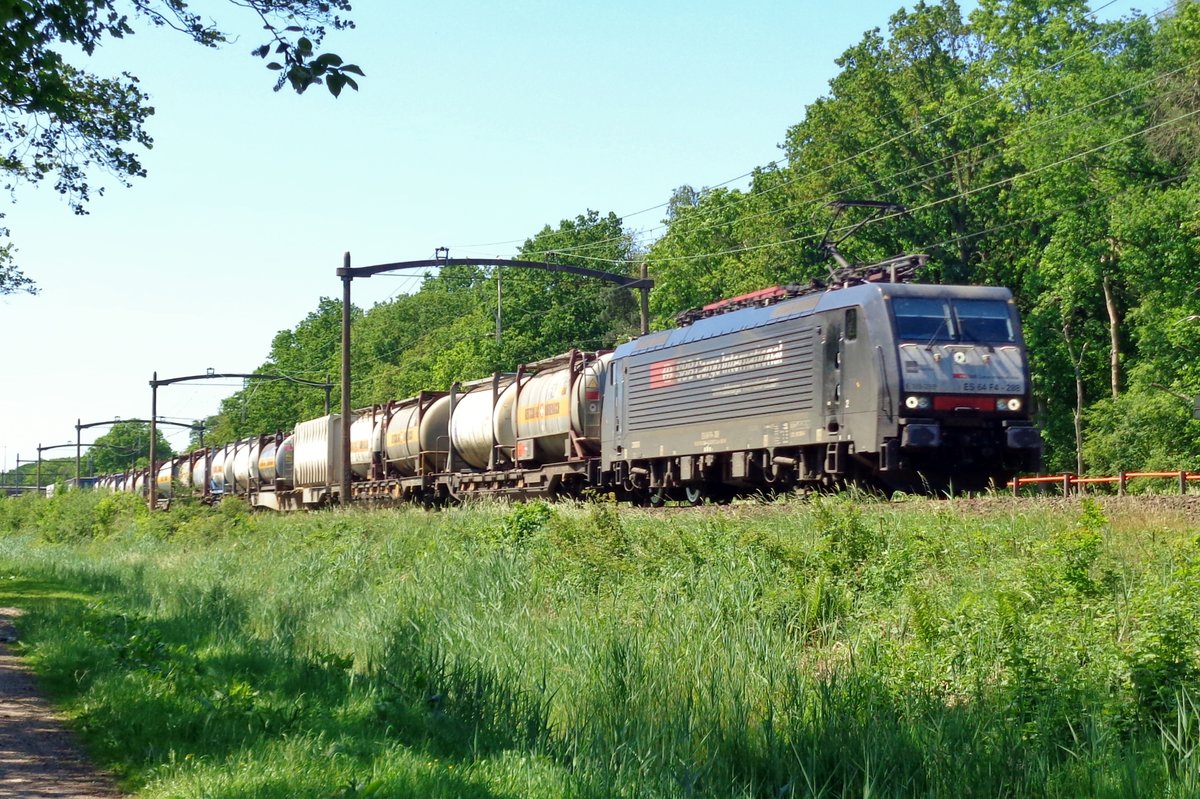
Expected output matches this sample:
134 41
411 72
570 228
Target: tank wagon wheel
698 493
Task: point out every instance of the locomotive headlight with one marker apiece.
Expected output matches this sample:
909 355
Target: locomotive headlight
1001 404
914 402
1014 404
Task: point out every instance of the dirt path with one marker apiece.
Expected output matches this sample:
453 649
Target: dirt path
39 757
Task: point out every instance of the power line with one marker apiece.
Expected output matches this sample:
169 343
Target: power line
1090 46
817 203
934 203
1054 213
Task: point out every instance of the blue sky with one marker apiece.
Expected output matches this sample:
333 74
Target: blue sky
477 124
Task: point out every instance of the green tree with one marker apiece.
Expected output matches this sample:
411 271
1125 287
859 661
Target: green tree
128 443
63 123
1177 57
709 251
310 351
427 340
1081 91
1143 429
909 119
546 313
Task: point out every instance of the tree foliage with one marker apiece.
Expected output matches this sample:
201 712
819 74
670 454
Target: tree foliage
126 445
61 123
447 330
1032 145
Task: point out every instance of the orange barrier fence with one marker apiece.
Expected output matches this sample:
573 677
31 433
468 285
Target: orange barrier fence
1071 482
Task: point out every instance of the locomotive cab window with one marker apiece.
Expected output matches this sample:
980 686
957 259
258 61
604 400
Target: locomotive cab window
984 320
922 319
931 321
851 324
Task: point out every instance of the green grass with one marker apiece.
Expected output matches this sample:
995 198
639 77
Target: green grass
823 649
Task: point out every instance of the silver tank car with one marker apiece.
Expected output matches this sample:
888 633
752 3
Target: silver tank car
417 439
183 470
243 469
472 420
266 461
285 462
255 455
162 483
200 470
556 413
216 471
366 436
237 467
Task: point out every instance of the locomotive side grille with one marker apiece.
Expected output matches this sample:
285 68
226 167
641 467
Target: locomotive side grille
724 377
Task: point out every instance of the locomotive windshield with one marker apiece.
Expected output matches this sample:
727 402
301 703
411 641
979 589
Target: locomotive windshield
931 320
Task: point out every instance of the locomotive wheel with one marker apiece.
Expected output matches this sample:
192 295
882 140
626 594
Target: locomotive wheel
693 495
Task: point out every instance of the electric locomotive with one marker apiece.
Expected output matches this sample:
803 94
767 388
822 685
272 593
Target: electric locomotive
899 386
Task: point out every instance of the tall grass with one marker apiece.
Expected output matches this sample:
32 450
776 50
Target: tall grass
822 649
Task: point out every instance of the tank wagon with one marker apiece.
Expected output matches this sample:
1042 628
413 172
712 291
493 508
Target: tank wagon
894 385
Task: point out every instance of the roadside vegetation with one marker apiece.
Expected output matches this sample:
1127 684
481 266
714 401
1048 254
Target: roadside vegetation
824 648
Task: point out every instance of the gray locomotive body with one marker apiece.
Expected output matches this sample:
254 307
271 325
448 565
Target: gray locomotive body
904 386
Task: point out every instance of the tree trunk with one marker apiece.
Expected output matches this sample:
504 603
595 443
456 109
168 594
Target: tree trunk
1114 323
1078 417
1077 365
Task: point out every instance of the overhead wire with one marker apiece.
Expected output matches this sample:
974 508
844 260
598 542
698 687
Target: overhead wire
934 203
960 194
817 203
1054 213
574 251
1078 52
397 351
930 246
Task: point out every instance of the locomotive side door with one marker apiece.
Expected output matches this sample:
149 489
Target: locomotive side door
831 369
859 406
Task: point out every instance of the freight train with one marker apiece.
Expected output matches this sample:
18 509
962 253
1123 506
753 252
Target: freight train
872 381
